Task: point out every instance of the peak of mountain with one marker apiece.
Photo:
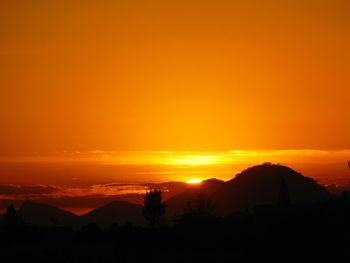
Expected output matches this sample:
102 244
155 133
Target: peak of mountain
268 170
45 215
119 212
261 185
213 181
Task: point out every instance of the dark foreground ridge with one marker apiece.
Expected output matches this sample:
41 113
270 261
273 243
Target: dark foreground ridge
285 223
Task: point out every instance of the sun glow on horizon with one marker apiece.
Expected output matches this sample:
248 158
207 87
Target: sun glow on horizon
194 181
196 160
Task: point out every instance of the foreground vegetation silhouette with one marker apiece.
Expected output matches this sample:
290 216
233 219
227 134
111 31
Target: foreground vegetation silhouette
153 208
283 230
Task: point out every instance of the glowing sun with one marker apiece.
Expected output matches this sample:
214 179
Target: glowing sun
194 181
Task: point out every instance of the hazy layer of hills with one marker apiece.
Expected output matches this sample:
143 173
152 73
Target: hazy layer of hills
258 185
116 212
87 201
120 212
46 215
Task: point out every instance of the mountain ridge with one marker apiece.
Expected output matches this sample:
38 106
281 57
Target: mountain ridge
256 185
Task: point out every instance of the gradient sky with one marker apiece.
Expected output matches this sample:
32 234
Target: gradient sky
183 76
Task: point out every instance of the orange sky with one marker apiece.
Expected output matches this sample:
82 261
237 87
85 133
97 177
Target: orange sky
124 76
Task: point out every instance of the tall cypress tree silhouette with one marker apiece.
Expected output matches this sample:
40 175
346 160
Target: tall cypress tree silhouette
153 208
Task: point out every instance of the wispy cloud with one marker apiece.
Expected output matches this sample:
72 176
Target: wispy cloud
10 189
40 191
184 157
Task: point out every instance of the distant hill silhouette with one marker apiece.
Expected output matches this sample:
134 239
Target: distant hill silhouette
45 215
37 214
258 185
115 212
177 204
261 185
169 189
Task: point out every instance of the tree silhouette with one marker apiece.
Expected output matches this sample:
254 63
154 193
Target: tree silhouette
199 212
11 218
153 208
200 205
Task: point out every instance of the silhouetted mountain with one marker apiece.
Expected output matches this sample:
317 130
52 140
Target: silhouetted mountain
261 185
177 204
46 215
120 212
115 212
169 189
265 184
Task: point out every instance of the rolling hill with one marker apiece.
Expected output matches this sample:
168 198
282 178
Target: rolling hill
115 212
261 185
45 215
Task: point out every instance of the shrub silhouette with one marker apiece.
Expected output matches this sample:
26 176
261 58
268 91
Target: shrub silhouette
153 208
200 205
199 212
11 219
